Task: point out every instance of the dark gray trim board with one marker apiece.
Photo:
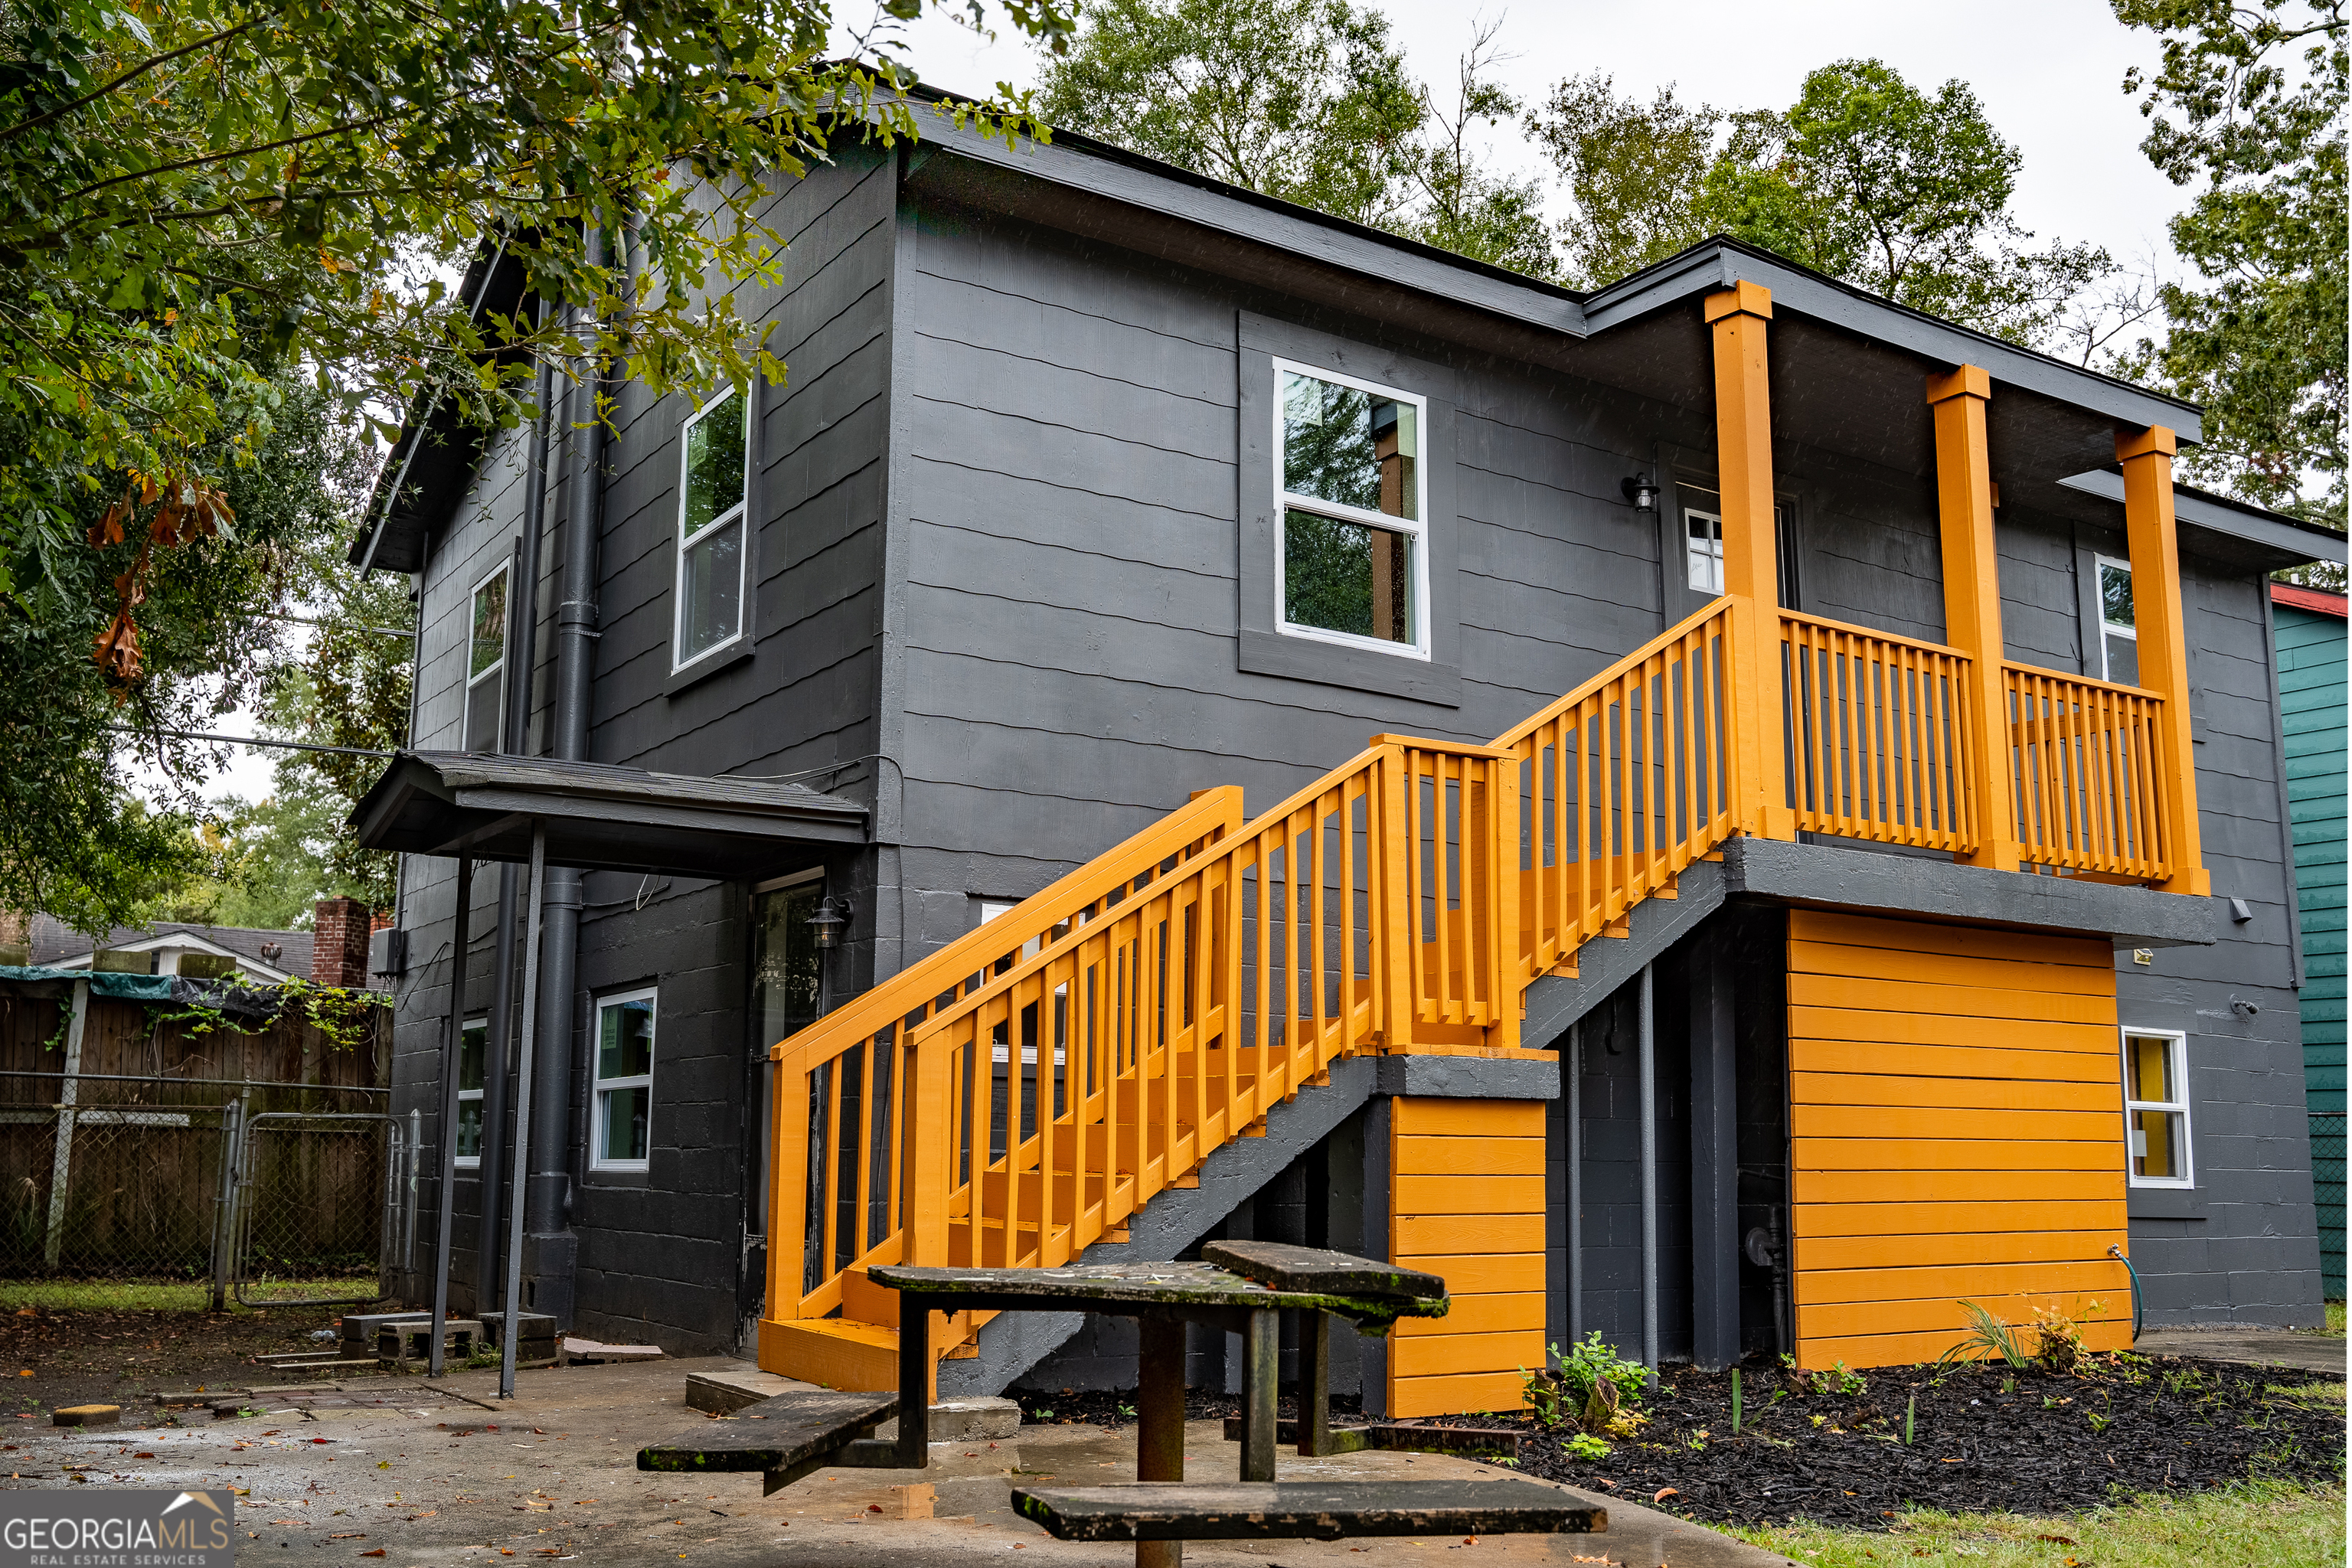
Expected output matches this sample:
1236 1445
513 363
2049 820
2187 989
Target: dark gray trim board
1866 881
2296 541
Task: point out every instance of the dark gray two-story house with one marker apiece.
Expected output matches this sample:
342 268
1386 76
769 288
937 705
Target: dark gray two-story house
1720 811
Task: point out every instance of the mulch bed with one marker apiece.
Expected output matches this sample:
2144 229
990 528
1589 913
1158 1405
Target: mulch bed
1984 1438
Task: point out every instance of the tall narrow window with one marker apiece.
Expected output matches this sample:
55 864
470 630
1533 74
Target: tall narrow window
1703 552
711 526
2119 632
625 1082
486 665
1351 493
473 1057
2155 1107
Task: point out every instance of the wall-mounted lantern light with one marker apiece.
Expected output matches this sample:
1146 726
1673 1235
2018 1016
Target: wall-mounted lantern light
1642 493
829 920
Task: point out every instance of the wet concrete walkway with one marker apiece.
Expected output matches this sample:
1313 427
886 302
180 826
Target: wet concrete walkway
447 1477
2298 1348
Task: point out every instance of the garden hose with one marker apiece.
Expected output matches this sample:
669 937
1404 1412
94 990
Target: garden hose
2116 1252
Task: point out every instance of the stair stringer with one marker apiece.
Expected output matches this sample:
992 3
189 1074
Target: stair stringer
1012 1343
1555 1002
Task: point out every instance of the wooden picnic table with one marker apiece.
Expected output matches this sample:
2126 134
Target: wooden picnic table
1240 1287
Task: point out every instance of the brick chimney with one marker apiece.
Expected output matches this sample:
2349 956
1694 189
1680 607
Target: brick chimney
338 942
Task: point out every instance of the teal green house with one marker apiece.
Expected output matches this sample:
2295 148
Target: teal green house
2308 625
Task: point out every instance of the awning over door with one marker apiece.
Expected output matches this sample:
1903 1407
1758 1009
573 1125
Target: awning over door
600 819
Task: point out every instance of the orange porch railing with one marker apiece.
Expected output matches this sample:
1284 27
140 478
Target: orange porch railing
2089 780
1877 731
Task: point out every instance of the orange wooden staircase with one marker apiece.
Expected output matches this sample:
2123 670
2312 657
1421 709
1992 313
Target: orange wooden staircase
1014 1099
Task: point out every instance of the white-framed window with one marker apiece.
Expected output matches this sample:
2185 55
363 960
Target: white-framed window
1703 550
2155 1108
714 461
473 1059
1351 565
622 1131
485 664
2119 629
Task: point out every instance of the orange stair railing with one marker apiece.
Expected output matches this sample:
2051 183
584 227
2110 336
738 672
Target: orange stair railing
1021 1095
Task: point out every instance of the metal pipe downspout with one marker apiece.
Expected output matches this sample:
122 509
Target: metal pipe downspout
547 1204
509 1340
451 1045
1649 1113
1574 1072
497 1063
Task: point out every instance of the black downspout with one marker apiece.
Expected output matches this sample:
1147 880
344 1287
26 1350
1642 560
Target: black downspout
550 1250
514 736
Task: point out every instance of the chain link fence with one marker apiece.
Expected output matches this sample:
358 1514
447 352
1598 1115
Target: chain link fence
113 1177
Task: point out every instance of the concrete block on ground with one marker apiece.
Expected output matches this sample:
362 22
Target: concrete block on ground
974 1418
725 1392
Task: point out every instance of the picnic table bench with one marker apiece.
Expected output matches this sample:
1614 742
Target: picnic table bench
1240 1287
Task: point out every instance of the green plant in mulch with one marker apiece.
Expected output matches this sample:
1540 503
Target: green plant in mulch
1590 1386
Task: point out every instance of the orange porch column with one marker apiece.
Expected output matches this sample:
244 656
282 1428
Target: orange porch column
1738 319
1972 601
2152 531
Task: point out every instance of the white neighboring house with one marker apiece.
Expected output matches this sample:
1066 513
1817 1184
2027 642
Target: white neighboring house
264 957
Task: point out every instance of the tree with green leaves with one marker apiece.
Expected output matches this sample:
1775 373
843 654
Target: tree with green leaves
1304 99
1461 204
1307 101
225 233
1906 194
1864 177
1632 172
2248 107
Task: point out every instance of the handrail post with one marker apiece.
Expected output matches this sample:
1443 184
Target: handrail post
924 1152
2152 534
1739 318
1397 962
1503 974
1972 600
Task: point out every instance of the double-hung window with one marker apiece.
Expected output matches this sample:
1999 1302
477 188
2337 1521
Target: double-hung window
2155 1107
623 1129
711 526
473 1057
2119 632
1352 566
486 665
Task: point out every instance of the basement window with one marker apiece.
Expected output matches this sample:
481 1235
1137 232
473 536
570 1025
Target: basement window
473 1055
710 523
1350 492
625 1081
2155 1107
486 665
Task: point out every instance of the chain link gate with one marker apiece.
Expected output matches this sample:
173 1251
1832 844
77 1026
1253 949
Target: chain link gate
316 1205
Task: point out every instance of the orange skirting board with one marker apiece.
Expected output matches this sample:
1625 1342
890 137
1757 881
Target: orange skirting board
1466 1204
1956 1133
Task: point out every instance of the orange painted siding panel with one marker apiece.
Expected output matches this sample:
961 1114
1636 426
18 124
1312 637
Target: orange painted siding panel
1956 1123
1466 1204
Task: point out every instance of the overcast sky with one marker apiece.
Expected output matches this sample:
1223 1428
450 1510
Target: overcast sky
2049 73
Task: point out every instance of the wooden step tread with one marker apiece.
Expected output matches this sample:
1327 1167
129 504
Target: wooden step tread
776 1434
1291 1510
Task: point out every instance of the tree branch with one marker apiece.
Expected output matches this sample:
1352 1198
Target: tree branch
135 72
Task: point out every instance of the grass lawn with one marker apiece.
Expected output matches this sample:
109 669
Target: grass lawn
2259 1522
2335 1317
151 1296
